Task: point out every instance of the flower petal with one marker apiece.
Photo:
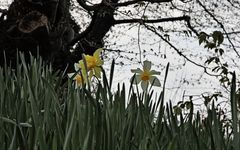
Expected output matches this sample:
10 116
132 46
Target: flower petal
97 52
79 84
90 74
99 62
81 64
70 75
138 70
76 66
97 71
155 81
147 65
154 72
136 78
84 73
144 85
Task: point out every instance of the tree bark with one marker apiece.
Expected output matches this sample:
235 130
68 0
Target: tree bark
45 27
25 30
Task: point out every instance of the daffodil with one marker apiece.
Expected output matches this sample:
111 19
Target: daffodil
146 76
79 81
77 77
93 64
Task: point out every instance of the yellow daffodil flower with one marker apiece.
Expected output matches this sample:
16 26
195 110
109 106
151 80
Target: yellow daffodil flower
93 64
77 77
146 76
79 81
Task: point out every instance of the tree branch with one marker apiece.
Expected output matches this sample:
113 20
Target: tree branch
127 3
87 7
233 32
190 26
102 20
177 50
141 21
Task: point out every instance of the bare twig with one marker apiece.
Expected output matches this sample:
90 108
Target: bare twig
178 51
139 28
127 3
234 32
151 20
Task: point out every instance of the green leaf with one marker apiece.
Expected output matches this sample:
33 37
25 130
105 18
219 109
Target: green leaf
210 45
111 73
177 110
138 70
202 37
217 37
209 60
144 85
221 51
217 60
147 65
155 81
189 104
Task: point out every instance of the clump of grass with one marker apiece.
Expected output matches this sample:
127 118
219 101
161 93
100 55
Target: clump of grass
38 112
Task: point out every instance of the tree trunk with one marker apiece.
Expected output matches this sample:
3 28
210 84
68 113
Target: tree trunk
46 28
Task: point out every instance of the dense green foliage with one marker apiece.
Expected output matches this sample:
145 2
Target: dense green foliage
38 111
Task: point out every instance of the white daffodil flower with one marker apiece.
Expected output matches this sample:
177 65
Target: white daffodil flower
146 76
